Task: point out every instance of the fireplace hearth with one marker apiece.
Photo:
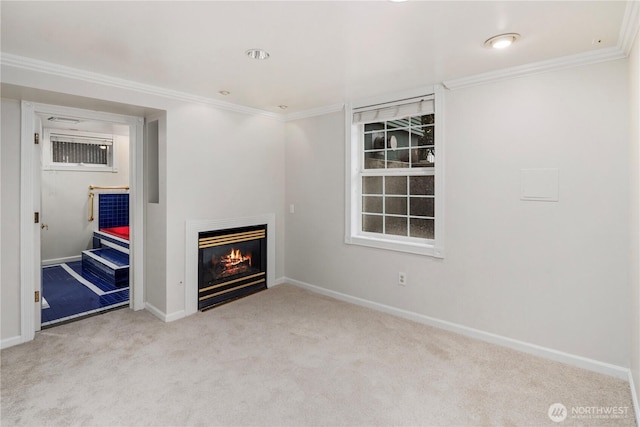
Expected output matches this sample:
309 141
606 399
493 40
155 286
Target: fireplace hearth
232 263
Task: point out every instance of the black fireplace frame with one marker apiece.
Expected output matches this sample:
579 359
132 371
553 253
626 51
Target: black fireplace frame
213 292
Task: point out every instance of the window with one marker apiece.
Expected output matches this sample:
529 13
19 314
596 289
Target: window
73 150
394 158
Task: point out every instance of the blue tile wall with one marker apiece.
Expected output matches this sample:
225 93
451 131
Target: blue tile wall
113 210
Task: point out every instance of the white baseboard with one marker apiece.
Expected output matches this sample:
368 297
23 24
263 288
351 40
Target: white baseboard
55 261
180 314
279 281
10 342
162 315
176 315
634 397
534 349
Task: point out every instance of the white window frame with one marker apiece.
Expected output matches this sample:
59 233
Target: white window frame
355 170
47 152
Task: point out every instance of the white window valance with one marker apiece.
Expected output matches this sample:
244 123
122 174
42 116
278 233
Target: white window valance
393 110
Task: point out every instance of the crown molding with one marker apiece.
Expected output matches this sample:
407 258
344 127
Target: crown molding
593 57
24 63
630 26
312 112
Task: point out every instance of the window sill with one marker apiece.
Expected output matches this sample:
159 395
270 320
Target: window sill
407 247
79 168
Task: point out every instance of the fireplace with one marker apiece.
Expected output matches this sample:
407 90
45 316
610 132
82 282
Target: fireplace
232 263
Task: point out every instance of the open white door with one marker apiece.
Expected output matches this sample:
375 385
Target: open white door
30 268
37 205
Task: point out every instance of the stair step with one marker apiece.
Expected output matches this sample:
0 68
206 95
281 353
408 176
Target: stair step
108 264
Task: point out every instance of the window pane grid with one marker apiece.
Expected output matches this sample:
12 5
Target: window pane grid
404 143
394 205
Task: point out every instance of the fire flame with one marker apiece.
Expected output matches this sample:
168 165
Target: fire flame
236 257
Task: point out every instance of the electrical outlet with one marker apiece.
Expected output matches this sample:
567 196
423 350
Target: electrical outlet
402 279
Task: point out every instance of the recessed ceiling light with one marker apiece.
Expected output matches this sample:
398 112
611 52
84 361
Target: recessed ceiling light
283 107
257 54
224 92
501 41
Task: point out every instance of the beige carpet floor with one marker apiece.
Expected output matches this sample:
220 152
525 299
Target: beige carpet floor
286 357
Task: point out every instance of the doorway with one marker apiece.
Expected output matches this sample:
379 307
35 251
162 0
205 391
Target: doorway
31 251
84 217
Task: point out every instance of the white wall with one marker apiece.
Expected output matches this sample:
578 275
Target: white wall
9 229
233 167
65 205
156 227
551 274
219 164
634 252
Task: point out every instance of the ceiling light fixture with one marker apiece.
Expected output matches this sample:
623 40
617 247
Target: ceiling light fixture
283 107
501 41
224 92
257 54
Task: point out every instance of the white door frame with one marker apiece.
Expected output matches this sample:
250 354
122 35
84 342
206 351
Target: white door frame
29 266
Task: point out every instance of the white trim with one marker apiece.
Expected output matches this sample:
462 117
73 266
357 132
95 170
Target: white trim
634 397
136 212
36 65
381 243
534 349
176 315
10 342
438 245
27 232
279 281
313 112
586 58
161 315
155 311
193 227
56 261
181 313
628 30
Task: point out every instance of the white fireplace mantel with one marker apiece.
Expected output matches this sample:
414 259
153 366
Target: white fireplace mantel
191 245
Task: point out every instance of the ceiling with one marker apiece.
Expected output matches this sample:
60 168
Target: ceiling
322 53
